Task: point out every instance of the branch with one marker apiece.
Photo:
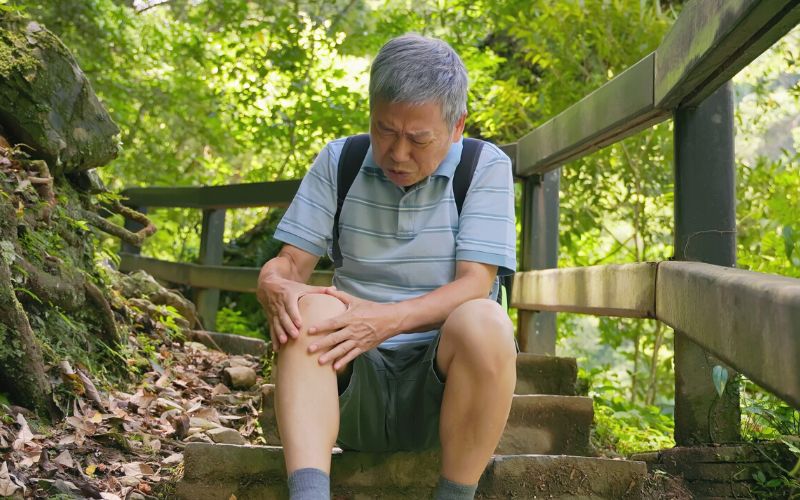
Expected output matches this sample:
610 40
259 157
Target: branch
153 6
109 227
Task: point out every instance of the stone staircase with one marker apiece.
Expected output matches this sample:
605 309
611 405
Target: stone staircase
544 453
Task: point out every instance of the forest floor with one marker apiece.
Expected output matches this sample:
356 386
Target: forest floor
128 445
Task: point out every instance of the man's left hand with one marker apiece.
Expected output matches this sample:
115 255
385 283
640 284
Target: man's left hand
363 326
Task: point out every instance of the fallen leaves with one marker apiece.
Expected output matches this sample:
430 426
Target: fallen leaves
124 445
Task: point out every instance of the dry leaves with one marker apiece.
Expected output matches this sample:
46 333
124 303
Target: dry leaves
114 445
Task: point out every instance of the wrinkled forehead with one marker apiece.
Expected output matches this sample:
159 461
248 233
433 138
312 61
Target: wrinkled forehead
410 116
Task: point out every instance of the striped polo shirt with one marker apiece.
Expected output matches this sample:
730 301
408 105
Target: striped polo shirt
397 243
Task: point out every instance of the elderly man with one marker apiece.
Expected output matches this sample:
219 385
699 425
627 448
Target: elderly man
408 350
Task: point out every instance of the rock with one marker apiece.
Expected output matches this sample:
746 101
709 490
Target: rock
47 103
224 435
239 377
240 361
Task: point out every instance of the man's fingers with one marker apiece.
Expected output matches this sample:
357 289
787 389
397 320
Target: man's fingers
337 352
288 325
277 334
327 342
329 325
350 356
293 309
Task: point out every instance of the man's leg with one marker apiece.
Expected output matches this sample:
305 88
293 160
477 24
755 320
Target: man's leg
477 355
306 398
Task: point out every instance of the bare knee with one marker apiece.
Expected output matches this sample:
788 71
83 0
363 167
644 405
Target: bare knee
314 307
317 306
480 332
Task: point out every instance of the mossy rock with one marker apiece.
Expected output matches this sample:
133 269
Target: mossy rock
47 103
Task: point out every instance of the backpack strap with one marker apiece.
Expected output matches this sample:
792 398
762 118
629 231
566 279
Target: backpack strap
462 177
353 153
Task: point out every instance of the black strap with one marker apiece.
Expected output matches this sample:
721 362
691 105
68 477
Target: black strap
353 153
462 177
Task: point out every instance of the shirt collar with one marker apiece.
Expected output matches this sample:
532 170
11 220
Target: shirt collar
446 168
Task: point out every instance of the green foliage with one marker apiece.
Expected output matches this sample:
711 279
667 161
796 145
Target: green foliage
233 321
623 428
764 416
775 481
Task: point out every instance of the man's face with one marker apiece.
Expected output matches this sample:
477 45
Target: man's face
409 141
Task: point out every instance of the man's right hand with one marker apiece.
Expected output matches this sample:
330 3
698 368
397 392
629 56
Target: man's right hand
279 297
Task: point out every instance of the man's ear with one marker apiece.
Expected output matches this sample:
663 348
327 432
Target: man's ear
458 130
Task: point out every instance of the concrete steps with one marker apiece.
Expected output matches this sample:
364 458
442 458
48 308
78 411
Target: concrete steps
257 473
538 374
542 454
538 423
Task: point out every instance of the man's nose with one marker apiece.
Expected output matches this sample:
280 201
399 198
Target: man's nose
401 150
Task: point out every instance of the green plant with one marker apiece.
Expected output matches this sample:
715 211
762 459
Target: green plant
764 416
233 321
622 427
775 480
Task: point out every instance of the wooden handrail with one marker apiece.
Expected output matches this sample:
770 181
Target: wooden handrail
230 278
708 44
254 194
750 320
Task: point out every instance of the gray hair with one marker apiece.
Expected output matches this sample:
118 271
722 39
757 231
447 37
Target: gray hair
416 69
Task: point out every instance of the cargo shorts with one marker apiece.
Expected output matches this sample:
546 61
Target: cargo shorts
392 400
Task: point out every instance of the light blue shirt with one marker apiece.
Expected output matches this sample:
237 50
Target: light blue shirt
398 244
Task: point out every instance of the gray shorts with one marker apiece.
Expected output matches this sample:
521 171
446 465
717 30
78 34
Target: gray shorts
392 400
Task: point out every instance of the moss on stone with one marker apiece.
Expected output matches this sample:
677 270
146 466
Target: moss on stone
15 56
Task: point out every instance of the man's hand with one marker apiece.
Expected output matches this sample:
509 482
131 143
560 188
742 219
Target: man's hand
363 326
279 298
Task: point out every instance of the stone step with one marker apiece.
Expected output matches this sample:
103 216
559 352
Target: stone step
536 374
220 472
542 424
539 374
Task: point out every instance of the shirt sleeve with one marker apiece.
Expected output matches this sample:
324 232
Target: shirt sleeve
308 223
487 225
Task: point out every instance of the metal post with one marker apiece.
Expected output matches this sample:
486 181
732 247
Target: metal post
705 231
133 226
537 330
211 247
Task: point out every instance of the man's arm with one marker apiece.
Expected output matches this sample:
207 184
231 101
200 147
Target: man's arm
473 281
367 324
281 283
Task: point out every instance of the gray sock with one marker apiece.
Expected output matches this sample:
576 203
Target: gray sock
448 490
309 484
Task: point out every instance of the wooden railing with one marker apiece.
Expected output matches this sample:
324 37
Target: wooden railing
750 321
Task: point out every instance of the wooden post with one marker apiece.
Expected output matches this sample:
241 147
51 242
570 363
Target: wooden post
705 231
211 246
537 330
